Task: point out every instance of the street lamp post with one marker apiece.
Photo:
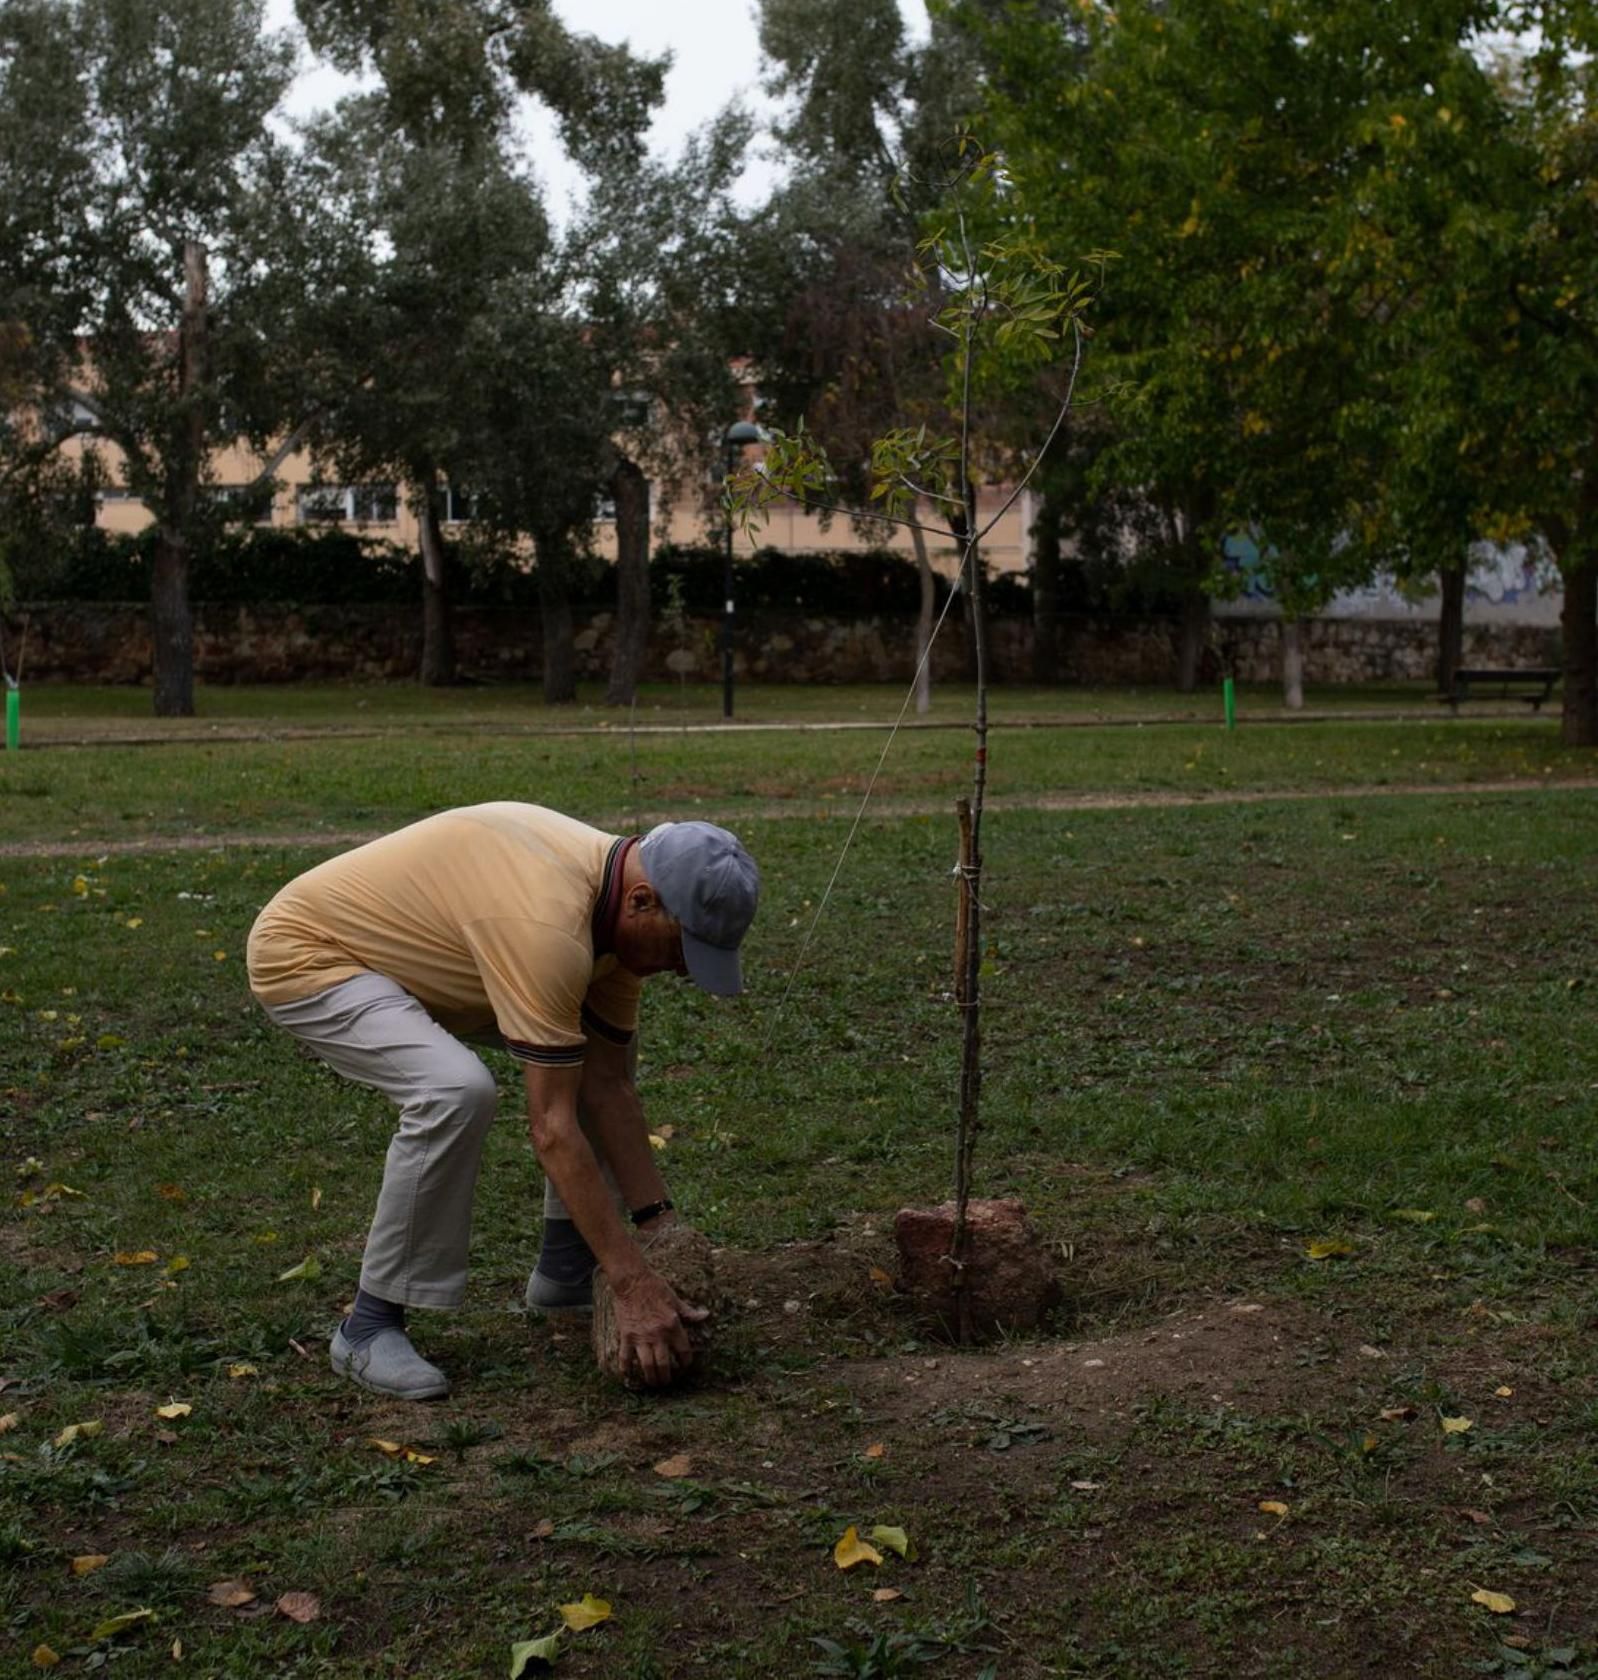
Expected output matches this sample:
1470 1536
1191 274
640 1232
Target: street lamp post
739 434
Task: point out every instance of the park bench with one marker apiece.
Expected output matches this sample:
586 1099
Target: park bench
1538 678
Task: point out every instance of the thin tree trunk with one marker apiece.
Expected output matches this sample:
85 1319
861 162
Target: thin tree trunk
1450 624
438 637
555 609
1046 590
961 522
630 489
171 620
1578 626
970 1117
1195 637
925 618
1292 664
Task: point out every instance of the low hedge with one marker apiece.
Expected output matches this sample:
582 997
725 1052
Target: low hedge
336 566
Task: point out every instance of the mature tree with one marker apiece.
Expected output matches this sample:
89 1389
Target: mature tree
460 265
1207 143
139 182
653 258
838 311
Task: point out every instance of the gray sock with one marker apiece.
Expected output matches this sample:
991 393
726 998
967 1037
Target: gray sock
565 1257
368 1316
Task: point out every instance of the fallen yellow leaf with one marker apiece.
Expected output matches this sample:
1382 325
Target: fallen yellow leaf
672 1468
1328 1248
1504 1393
229 1595
138 1257
1416 1216
895 1539
395 1449
44 1657
1273 1507
1501 1604
880 1279
177 1650
524 1650
174 1409
309 1268
299 1606
178 1263
586 1613
1397 1414
851 1549
316 1197
73 1431
242 1369
9 1422
89 1562
1457 1425
171 1192
134 922
875 1450
886 1595
131 1618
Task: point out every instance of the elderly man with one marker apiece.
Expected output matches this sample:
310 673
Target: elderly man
532 928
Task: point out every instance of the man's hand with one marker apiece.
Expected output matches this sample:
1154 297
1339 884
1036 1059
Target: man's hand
651 1320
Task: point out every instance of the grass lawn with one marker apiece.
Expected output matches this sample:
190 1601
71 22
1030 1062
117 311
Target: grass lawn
54 710
1219 1038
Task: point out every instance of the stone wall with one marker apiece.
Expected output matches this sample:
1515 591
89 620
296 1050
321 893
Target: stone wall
98 642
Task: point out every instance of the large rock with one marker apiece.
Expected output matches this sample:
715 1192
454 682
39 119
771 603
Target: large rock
684 1259
1010 1281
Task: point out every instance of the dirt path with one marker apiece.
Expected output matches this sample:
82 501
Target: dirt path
840 810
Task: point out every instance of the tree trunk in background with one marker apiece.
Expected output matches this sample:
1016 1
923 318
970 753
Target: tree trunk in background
1046 591
172 626
1578 627
1450 625
1195 637
1292 664
555 609
925 618
171 621
438 640
630 489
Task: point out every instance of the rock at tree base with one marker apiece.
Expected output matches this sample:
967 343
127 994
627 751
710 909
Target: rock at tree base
1010 1279
684 1259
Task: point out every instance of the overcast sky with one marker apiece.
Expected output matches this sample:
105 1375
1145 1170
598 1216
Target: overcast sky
715 58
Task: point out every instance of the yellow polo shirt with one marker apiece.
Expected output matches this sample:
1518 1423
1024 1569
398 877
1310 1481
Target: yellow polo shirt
488 916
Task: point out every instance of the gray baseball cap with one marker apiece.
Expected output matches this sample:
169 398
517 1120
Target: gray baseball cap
711 885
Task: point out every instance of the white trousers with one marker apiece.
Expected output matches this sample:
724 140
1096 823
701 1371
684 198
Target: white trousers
372 1031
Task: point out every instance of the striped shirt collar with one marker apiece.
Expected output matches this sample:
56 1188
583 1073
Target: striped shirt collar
607 905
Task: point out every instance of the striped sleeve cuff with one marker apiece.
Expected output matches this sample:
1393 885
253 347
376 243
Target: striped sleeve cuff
546 1055
598 1025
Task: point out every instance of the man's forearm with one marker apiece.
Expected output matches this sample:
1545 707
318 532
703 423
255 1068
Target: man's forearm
572 1167
614 1119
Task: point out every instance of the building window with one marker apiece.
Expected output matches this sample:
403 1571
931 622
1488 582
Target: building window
244 504
460 506
360 504
373 504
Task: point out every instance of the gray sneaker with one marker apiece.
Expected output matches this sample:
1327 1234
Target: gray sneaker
559 1300
388 1364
